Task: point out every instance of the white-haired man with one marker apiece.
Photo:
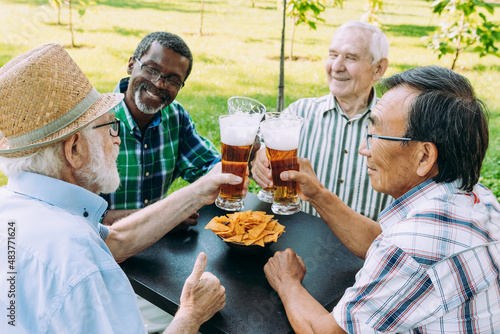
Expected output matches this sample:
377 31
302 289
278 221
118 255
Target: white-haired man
334 125
58 147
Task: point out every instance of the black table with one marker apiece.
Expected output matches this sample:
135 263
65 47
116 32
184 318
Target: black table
252 306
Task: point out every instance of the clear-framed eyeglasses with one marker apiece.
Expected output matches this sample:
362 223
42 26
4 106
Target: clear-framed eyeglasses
114 127
369 136
153 75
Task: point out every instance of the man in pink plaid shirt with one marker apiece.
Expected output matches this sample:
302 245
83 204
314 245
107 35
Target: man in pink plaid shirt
432 261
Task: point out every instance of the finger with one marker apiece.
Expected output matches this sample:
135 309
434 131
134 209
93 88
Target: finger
198 269
195 215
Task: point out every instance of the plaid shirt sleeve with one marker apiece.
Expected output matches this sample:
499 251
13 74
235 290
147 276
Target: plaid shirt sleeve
395 293
196 155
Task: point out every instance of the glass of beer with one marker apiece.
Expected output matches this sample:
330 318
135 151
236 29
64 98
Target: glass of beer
237 135
281 135
245 105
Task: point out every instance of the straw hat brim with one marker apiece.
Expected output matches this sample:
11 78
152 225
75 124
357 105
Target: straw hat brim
104 104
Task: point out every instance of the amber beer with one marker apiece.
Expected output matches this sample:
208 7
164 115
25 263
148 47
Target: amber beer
285 192
234 161
237 135
281 136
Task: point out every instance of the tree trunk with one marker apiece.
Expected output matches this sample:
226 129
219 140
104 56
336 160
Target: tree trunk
281 86
58 13
291 40
459 41
71 24
201 19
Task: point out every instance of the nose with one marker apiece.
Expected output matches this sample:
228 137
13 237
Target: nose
116 140
338 64
363 149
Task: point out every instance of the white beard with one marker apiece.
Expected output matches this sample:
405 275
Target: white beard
143 107
97 175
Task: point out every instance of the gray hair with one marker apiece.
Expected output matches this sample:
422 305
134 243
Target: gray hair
379 44
167 40
48 161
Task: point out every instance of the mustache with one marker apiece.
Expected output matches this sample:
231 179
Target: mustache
152 88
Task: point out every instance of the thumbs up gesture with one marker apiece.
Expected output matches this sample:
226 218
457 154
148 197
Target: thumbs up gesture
202 295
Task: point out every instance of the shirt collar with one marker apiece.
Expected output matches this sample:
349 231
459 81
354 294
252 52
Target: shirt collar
122 110
69 197
333 105
402 207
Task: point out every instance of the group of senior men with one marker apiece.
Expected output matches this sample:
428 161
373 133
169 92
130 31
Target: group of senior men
431 260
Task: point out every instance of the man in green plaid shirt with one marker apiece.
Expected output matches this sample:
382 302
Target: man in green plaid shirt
159 142
159 138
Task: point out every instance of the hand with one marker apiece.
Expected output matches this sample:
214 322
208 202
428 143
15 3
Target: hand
184 226
284 268
208 186
261 170
202 295
307 181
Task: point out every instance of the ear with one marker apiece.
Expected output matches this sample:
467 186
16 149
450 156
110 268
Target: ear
76 151
380 68
428 154
130 65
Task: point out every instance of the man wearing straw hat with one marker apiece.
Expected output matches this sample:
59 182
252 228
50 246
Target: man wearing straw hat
58 147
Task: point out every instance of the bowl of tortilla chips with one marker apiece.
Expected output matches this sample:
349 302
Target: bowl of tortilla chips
249 230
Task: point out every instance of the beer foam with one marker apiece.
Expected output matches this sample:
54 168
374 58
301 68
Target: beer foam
281 135
239 129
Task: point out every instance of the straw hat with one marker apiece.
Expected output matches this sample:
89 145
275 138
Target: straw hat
45 98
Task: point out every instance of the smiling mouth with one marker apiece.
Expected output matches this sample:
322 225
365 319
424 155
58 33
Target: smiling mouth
340 79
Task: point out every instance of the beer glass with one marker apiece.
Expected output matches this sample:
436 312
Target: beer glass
237 135
267 194
281 136
246 105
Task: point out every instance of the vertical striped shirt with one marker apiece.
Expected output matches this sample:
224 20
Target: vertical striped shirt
148 164
434 268
330 140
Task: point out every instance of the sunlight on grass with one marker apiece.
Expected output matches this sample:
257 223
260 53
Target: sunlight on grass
239 51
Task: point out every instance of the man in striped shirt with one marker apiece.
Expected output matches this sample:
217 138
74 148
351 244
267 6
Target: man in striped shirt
335 124
432 264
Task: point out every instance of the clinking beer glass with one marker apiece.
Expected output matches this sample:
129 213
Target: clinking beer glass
281 136
237 135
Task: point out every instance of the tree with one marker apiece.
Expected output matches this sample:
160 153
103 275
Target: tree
373 7
58 4
304 11
281 86
80 5
463 25
201 18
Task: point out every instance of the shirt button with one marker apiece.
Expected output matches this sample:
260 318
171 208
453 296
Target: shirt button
147 174
341 181
146 201
345 151
145 145
348 123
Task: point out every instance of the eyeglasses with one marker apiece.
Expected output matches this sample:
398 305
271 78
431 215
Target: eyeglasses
153 75
368 136
114 129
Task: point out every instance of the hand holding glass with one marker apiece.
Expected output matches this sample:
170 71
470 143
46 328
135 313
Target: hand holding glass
281 136
237 135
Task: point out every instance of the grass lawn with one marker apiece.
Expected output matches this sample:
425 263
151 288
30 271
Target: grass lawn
239 50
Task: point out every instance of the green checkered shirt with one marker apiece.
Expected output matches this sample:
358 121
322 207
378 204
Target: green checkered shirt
170 148
330 140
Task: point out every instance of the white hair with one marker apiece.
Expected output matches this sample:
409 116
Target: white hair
48 161
379 44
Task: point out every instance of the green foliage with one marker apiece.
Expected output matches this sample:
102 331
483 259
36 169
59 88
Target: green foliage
373 8
463 25
305 11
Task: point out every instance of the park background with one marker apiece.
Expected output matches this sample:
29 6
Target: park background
236 47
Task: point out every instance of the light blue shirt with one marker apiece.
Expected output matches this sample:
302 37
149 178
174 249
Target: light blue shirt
66 280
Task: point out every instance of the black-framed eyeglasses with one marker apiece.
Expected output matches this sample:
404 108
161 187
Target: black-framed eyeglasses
114 127
153 75
368 136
